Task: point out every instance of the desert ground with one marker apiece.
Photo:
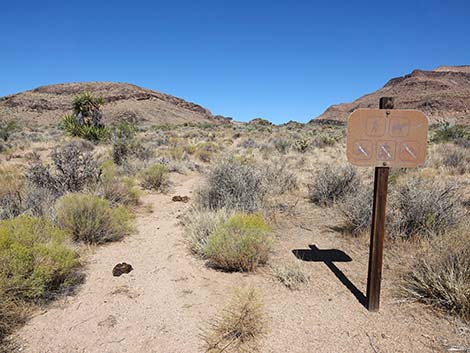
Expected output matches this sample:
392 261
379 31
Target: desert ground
242 237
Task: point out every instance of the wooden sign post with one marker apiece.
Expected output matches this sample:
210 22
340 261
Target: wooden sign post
384 138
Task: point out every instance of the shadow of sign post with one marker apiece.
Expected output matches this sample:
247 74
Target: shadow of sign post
328 257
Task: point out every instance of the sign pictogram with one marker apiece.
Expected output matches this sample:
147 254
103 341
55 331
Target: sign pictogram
391 138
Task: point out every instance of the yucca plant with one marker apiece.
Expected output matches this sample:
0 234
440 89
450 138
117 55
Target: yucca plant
89 132
86 108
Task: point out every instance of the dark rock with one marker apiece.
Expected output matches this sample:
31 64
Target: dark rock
178 198
121 268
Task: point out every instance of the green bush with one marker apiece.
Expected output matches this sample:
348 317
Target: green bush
7 127
242 243
155 177
91 219
445 132
35 257
89 132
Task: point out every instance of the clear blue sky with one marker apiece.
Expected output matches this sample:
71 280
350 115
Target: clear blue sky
279 60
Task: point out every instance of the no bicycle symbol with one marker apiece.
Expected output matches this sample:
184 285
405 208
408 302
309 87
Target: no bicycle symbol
391 138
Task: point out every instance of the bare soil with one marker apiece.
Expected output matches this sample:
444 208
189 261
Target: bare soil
161 305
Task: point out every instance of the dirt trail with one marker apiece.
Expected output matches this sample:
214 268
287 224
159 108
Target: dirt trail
161 305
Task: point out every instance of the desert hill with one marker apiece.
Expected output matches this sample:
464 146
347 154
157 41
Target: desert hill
442 94
47 104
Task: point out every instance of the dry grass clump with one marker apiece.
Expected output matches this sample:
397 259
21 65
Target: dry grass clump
456 159
282 145
278 178
424 206
356 210
200 224
441 274
155 177
232 184
11 192
239 328
92 220
242 243
12 314
333 183
115 189
291 275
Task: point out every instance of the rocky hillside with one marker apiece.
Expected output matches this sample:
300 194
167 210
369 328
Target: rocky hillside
47 104
442 94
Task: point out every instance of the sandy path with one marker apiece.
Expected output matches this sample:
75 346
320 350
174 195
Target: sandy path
160 306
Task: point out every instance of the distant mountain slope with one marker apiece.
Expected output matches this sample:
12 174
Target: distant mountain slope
442 94
47 104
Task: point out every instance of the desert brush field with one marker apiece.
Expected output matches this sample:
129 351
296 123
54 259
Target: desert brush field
222 236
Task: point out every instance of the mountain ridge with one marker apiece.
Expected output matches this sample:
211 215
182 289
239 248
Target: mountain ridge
48 104
443 94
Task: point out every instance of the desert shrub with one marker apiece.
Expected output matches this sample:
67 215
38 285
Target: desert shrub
239 327
176 153
155 177
282 145
89 132
7 128
356 210
242 243
39 202
323 139
73 170
35 257
232 184
10 316
11 192
123 141
117 190
91 219
445 132
333 183
291 275
441 274
199 225
424 206
455 158
248 143
301 145
278 178
205 151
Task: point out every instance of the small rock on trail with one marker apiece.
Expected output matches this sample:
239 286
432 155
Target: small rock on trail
121 268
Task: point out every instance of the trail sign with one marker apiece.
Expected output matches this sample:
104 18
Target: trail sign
387 138
384 138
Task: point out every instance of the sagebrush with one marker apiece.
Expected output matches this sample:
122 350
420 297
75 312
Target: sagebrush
242 243
232 184
91 219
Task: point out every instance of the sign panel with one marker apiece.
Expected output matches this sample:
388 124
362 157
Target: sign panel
387 138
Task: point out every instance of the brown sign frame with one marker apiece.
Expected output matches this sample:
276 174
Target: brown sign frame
387 137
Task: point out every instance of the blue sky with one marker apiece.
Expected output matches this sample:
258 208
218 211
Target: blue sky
279 60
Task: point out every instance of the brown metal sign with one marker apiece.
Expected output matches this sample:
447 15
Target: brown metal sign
390 138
